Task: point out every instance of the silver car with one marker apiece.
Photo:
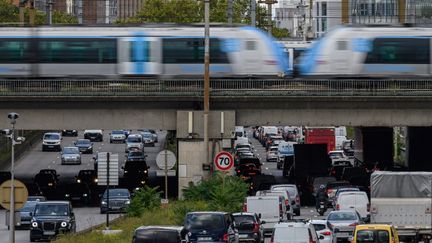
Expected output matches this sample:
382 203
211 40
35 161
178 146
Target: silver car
342 223
134 142
70 155
117 136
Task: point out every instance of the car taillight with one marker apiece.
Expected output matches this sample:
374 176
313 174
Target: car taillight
326 233
310 240
353 224
272 239
256 228
244 207
337 207
368 207
393 240
287 202
225 238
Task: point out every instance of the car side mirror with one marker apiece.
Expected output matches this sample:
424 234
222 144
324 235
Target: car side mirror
263 222
122 167
31 214
321 237
72 214
259 215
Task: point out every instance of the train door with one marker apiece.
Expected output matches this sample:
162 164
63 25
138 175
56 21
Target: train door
340 63
139 56
251 63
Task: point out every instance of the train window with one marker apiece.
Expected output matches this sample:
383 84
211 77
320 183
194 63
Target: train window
191 50
399 51
139 51
14 51
342 45
77 51
250 45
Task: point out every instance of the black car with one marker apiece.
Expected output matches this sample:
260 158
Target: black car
151 234
78 193
88 177
51 218
248 166
249 227
25 214
118 200
338 168
135 173
73 133
136 155
209 227
46 179
84 146
94 135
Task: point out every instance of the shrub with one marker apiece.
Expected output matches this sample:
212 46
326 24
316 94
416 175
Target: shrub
146 198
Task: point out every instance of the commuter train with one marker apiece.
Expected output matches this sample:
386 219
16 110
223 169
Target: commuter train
369 52
159 51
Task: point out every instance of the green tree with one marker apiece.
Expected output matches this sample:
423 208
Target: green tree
8 12
280 32
146 198
63 18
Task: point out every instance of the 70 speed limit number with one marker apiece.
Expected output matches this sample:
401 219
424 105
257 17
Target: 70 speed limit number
224 161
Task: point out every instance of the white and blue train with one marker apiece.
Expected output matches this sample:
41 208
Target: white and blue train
370 52
163 51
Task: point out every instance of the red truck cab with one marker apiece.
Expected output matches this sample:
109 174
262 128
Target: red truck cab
321 135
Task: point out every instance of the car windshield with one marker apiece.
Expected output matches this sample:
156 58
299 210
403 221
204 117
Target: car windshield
117 132
51 209
70 150
52 136
83 142
147 135
291 190
336 155
204 221
342 216
136 154
29 206
85 173
134 139
239 219
319 227
117 193
378 236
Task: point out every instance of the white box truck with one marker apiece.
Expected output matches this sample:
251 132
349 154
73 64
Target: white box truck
404 200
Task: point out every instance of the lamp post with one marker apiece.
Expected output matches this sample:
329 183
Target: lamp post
206 77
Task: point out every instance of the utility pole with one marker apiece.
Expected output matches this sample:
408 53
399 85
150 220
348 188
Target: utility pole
21 11
206 77
269 13
253 13
49 12
230 12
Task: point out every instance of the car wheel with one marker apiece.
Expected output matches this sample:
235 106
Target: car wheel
32 239
110 141
297 213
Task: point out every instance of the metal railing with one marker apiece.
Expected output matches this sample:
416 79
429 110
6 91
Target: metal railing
219 88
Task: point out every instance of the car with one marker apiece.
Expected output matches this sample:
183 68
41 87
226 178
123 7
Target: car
135 173
286 199
294 232
337 155
344 189
371 233
293 193
322 229
321 181
88 177
249 227
25 214
77 193
353 200
46 180
272 154
51 141
50 219
153 132
70 155
85 146
342 223
94 135
73 133
148 139
150 234
115 200
338 168
136 155
117 136
36 198
209 227
134 142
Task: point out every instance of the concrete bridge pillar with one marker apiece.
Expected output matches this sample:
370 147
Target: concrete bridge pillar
374 145
418 148
192 164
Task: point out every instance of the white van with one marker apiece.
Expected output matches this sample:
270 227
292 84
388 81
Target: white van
239 132
284 194
270 130
294 232
340 131
339 141
354 200
271 210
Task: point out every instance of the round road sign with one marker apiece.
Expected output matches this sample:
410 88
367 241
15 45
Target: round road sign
170 159
224 161
21 194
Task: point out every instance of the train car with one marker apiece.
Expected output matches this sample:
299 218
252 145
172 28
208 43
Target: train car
370 52
173 51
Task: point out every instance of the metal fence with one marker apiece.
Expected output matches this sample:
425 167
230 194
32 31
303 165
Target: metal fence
219 88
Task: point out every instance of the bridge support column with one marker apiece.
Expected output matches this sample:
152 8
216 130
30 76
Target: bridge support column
418 148
374 145
192 165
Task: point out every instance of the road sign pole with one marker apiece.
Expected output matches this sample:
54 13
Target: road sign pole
12 189
166 169
107 212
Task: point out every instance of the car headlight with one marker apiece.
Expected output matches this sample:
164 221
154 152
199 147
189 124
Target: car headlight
50 184
79 181
96 180
63 224
103 203
142 182
34 224
67 195
145 171
85 194
125 171
127 202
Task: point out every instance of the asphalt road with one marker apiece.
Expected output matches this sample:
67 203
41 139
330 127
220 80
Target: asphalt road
34 160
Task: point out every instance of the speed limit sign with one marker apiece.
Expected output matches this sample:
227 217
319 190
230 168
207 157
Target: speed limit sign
224 161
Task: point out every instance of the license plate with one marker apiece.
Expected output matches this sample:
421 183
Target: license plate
50 146
49 233
343 234
204 238
243 236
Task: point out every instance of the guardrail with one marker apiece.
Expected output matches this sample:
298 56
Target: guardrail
219 88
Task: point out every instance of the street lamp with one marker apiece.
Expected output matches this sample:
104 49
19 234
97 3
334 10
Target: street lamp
11 134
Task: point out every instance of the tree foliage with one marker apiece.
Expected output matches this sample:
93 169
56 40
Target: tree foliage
146 198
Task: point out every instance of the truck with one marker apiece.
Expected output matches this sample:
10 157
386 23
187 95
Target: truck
321 135
403 199
311 160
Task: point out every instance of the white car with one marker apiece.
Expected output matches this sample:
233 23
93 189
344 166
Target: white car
117 136
295 232
336 155
51 141
321 228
